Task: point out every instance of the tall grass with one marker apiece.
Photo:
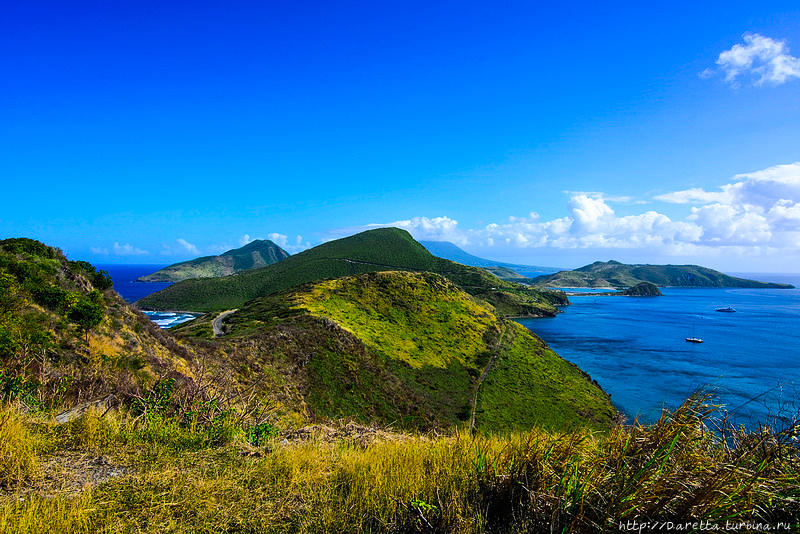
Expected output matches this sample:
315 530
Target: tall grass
681 468
18 461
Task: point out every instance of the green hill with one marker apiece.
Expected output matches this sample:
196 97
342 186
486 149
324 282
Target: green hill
403 348
619 275
258 253
375 250
65 335
409 348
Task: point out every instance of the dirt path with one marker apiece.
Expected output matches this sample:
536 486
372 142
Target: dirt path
485 372
217 324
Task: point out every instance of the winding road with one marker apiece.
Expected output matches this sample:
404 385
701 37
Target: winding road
217 324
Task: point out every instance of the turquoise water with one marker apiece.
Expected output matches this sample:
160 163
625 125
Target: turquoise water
636 349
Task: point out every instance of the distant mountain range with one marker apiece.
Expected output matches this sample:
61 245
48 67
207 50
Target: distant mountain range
620 275
506 271
383 249
256 254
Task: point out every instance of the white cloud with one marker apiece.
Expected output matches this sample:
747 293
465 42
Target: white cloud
694 195
757 213
761 59
599 195
245 239
99 250
128 250
186 246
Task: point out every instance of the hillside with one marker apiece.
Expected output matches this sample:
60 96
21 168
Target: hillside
619 275
409 348
379 402
258 253
450 251
375 250
390 347
65 335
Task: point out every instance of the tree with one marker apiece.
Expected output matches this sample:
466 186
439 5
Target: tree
86 314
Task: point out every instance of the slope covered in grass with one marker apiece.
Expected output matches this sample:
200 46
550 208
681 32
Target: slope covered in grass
342 478
620 275
66 336
375 250
256 254
411 348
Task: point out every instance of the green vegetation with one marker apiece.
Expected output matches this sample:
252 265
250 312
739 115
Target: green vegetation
376 250
256 254
643 289
378 402
118 474
409 348
619 275
65 335
504 273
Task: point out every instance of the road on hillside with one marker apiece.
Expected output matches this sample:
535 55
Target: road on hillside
217 324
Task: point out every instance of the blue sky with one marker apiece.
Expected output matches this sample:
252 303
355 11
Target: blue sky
154 132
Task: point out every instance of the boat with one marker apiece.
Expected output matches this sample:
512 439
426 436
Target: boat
694 340
729 309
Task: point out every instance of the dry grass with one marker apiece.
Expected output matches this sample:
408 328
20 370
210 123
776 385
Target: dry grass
18 460
344 478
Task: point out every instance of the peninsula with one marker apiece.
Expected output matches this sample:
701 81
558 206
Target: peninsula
258 253
620 275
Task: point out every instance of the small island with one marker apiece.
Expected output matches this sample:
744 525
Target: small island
642 289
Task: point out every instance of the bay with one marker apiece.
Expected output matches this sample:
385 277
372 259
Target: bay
635 348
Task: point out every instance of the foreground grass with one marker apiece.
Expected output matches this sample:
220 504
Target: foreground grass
183 479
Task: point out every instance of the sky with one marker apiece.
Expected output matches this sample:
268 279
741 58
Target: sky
153 132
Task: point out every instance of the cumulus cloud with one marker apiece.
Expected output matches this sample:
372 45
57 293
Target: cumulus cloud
756 212
127 250
102 251
760 59
694 195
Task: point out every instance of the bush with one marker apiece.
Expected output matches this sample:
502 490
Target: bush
259 434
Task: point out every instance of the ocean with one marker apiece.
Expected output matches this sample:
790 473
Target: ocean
636 350
124 278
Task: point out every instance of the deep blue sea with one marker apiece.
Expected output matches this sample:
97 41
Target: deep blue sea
636 349
124 278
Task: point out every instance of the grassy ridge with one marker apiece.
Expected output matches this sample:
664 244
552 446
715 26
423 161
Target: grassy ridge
409 348
376 250
620 275
529 386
